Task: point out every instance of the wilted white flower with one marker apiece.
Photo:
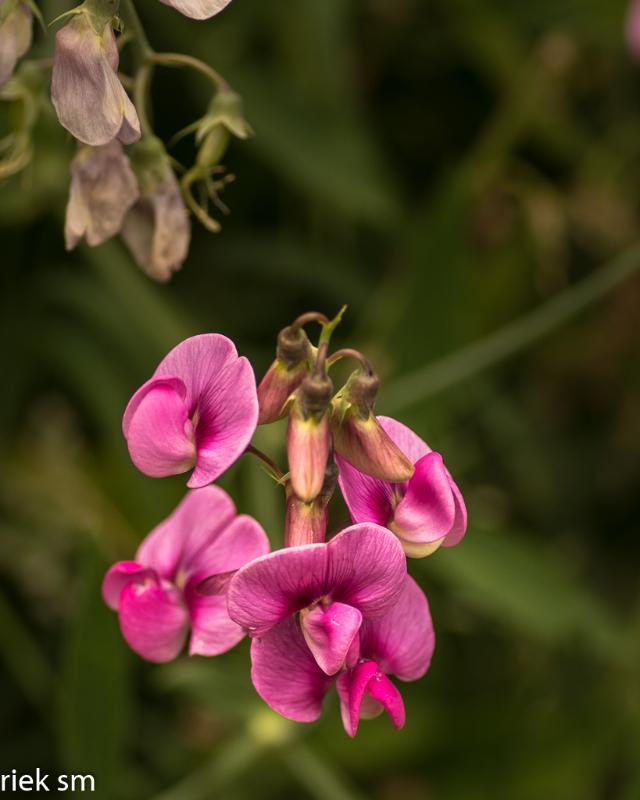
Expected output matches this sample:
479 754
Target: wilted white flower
103 189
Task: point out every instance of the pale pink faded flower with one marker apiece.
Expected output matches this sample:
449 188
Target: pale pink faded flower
198 9
327 589
156 595
400 642
424 512
103 189
199 410
16 23
88 97
157 229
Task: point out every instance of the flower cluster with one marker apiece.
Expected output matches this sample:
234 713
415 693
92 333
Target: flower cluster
321 612
133 192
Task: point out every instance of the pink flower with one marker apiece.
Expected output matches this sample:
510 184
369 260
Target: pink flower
200 409
86 92
15 37
399 643
424 512
329 588
155 595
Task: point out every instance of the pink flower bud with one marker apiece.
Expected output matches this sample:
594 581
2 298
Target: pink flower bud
359 438
15 37
284 375
306 523
85 89
157 230
309 436
103 189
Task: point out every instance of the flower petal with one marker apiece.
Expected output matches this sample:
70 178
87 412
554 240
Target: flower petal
153 619
198 9
409 442
158 429
368 499
459 527
330 632
15 39
286 675
427 511
212 630
180 543
366 568
119 576
363 566
355 704
402 641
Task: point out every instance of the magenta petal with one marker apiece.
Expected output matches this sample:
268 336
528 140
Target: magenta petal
427 511
381 689
153 619
271 588
212 630
409 442
286 675
119 576
158 429
368 499
330 632
351 687
180 543
402 641
459 527
366 568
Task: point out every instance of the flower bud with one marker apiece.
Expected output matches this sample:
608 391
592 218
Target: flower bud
86 92
309 436
103 189
157 230
306 523
358 436
16 22
284 375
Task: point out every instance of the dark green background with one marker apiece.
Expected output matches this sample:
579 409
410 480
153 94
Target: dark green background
444 167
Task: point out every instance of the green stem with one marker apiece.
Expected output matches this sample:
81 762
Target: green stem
329 328
181 60
132 20
272 468
144 72
452 369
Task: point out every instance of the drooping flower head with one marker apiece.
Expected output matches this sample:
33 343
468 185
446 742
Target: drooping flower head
328 589
157 229
86 92
156 595
16 22
424 512
103 189
199 410
400 643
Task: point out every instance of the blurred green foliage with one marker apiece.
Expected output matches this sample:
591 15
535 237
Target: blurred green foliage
447 168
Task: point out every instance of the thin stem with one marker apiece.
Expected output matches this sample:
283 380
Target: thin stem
132 20
140 95
348 352
310 316
329 328
320 366
181 60
273 469
463 364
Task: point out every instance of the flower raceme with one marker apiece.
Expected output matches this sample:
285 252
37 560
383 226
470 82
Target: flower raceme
156 595
321 613
424 512
199 410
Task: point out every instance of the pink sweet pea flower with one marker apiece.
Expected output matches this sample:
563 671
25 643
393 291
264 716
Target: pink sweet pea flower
156 595
200 409
424 512
400 643
329 587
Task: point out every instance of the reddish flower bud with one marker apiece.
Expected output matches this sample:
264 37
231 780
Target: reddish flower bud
309 436
284 375
15 36
358 436
306 523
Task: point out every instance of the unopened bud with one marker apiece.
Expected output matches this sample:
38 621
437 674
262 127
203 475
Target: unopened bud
309 436
359 438
306 523
284 375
